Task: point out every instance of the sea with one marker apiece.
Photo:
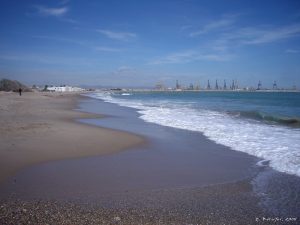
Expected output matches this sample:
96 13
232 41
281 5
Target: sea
262 124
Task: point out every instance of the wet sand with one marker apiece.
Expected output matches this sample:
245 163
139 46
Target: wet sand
40 127
172 158
220 204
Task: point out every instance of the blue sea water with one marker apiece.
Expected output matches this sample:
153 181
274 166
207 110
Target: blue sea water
263 124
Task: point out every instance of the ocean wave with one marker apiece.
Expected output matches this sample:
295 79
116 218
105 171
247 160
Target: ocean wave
268 118
280 145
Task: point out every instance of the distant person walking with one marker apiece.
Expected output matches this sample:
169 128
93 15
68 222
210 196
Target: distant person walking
20 91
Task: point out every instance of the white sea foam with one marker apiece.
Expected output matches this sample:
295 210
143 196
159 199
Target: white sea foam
278 144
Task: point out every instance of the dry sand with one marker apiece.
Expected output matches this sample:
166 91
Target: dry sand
41 127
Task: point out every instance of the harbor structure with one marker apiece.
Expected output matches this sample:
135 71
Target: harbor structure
208 85
178 86
224 86
160 86
232 85
191 87
64 88
259 85
236 85
217 85
275 85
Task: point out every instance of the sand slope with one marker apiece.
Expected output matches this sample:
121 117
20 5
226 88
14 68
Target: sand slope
40 127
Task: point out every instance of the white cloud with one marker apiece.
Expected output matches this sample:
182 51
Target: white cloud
60 39
125 69
186 27
292 51
45 59
239 37
190 56
123 36
179 57
64 2
77 42
219 49
47 11
107 49
260 36
230 35
68 20
224 23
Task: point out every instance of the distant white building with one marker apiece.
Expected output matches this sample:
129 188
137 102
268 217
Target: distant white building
64 89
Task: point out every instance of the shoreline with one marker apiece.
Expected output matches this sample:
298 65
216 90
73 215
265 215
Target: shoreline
206 90
172 159
42 127
143 185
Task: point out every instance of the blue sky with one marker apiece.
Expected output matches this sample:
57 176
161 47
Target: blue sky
140 43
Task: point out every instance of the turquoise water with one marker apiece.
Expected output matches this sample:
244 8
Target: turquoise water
269 106
263 124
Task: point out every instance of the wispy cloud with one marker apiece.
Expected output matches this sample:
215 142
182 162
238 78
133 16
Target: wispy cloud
292 51
64 2
190 56
78 42
217 25
44 59
186 27
60 39
122 36
47 11
260 36
229 34
126 69
59 12
69 20
108 49
229 38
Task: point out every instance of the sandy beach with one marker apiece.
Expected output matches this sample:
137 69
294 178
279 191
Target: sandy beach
41 127
58 166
